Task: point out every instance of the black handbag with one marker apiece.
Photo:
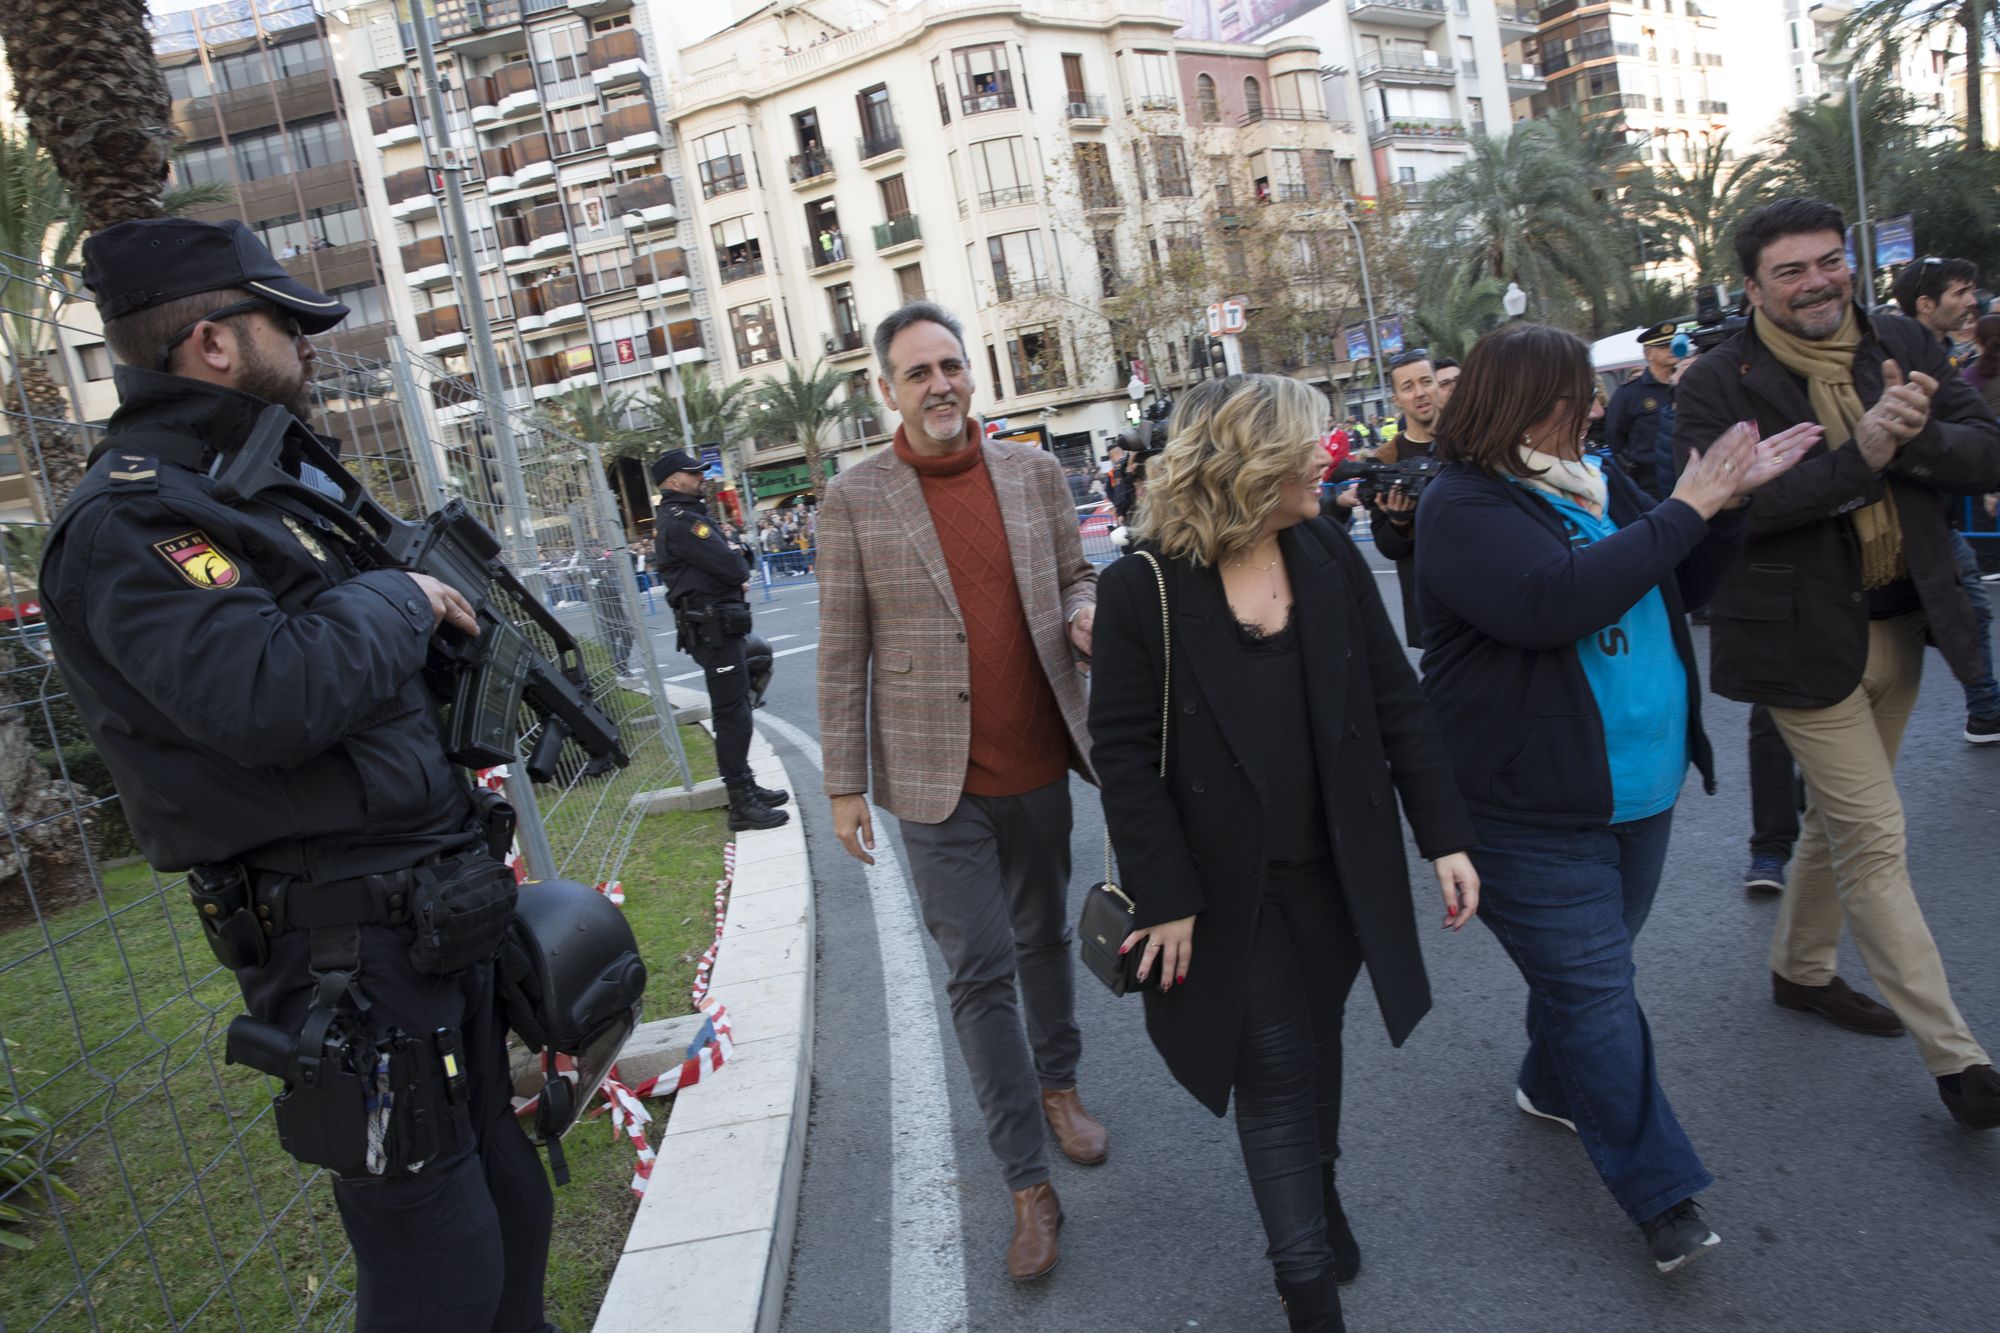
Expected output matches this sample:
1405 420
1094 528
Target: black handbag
1107 909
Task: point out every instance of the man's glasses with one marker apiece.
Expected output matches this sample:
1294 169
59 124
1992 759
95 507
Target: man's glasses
288 324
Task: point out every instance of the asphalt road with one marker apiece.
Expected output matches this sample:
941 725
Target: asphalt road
1848 1201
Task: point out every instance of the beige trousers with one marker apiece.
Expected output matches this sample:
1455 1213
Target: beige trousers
1852 863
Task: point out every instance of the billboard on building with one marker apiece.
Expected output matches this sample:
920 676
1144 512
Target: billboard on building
1237 20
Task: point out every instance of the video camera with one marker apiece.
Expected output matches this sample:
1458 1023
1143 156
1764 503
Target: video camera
1410 476
480 681
1713 326
1144 442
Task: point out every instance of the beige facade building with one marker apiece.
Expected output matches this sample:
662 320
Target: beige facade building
1658 62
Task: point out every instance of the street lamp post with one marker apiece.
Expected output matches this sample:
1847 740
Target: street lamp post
1367 296
1841 65
1514 301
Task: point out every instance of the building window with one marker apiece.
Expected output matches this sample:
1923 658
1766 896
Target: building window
1154 82
1035 355
1093 176
261 156
719 164
589 212
1018 270
1253 98
244 69
1001 173
755 334
878 121
575 129
621 345
292 59
366 301
739 254
184 81
605 271
1475 114
984 81
1106 244
1211 109
562 58
993 371
846 316
317 143
896 196
944 98
910 282
1170 157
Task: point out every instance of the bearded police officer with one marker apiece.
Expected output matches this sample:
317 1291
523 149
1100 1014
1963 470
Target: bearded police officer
706 579
260 703
1633 421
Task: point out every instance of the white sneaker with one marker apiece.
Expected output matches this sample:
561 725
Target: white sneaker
1521 1100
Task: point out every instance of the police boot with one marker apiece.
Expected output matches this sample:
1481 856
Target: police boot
748 810
771 796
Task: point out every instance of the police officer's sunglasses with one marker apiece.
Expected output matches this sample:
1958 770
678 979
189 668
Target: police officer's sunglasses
288 324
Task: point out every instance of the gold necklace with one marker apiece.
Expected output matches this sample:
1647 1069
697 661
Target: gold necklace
1242 562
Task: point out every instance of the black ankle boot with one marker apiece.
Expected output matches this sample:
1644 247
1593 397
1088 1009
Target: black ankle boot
771 796
1346 1251
1313 1306
748 811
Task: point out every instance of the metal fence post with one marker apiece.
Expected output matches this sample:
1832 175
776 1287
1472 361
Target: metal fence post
414 425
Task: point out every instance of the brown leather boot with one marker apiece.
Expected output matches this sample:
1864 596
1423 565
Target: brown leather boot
1038 1216
1082 1139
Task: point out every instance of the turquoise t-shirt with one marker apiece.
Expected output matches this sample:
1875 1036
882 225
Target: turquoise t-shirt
1640 686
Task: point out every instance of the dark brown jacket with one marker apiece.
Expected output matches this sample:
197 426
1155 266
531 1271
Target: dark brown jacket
1193 844
1790 623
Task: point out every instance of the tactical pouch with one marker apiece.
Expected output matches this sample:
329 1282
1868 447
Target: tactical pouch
733 619
460 908
424 1124
221 893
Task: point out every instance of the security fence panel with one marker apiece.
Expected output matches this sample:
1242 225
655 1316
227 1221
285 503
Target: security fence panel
141 1185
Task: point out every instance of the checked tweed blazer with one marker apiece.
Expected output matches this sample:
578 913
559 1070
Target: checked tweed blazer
893 671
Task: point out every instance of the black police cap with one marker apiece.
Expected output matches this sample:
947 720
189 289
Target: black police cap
1660 335
137 265
672 461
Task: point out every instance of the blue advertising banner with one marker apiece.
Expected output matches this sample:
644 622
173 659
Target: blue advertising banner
711 457
1392 335
1896 240
1852 262
1357 342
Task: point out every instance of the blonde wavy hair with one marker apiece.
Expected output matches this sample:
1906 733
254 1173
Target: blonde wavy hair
1232 445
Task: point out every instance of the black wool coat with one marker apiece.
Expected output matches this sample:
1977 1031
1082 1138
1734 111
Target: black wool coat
1193 843
1790 623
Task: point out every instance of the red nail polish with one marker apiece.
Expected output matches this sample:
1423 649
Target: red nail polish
1124 949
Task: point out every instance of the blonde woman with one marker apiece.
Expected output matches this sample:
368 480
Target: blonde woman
1267 863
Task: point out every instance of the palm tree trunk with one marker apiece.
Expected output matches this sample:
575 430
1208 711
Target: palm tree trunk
1973 19
52 440
85 77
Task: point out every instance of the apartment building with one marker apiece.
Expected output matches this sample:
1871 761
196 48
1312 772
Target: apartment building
553 131
1021 163
1657 62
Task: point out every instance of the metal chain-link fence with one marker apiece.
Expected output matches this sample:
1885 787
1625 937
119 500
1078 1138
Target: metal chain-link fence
140 1186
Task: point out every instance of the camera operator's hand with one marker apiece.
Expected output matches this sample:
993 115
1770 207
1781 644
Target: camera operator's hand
1348 499
1897 417
448 605
1738 463
1400 508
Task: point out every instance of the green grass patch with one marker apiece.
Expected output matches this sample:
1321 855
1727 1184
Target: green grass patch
123 1018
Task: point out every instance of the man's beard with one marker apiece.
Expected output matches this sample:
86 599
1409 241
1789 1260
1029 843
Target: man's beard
1814 324
267 380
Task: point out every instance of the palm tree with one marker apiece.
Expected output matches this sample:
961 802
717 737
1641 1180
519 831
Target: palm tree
1696 207
1458 310
714 415
1529 209
803 406
1884 26
579 413
86 80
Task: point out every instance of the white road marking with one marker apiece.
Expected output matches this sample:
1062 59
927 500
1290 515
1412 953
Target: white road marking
926 1243
782 652
802 648
780 638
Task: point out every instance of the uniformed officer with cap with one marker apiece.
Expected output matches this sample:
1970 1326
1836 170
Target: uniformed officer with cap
706 578
260 703
1632 421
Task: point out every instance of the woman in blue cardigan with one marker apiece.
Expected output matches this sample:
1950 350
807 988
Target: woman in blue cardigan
1554 598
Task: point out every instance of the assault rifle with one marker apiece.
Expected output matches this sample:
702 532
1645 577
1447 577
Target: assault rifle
481 681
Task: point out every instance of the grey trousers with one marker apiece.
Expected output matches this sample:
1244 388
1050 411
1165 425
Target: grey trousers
992 881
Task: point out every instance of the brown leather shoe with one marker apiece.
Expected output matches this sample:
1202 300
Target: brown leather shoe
1038 1216
1839 1003
1083 1140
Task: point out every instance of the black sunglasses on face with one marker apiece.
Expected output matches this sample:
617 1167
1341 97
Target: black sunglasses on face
287 323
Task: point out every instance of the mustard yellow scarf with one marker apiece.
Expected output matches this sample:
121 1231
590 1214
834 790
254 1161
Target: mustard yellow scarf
1828 369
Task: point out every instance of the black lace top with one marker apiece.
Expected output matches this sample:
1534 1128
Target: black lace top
1272 671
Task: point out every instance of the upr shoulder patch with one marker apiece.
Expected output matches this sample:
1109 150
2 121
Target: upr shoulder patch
195 556
701 529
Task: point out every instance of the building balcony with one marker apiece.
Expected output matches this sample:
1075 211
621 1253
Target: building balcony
593 8
739 270
440 329
548 230
1712 108
1397 13
645 201
1020 289
845 343
1152 102
855 430
879 146
1008 197
810 167
427 263
1091 109
561 301
1284 192
632 131
993 99
1267 115
394 122
1517 21
828 253
534 164
1415 129
1040 381
455 396
897 235
1397 67
481 102
411 194
1525 80
514 238
661 276
680 341
618 60
514 91
1099 197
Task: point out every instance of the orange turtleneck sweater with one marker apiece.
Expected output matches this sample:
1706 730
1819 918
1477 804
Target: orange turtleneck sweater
1019 742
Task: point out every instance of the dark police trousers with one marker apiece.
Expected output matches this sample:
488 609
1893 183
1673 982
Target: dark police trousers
460 1246
727 675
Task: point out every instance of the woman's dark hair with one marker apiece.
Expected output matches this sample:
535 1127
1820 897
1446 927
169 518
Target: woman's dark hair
1986 337
1514 377
1796 216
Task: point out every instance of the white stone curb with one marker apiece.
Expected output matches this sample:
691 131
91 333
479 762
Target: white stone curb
711 1247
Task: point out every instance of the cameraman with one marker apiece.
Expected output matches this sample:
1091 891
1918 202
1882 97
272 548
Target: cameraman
262 708
1392 519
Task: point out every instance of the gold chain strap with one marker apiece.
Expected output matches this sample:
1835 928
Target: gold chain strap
1166 699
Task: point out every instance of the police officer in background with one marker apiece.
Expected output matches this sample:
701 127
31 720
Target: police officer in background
261 706
706 578
1632 422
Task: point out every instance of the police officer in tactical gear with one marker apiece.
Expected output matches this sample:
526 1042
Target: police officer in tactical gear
260 703
1632 421
705 578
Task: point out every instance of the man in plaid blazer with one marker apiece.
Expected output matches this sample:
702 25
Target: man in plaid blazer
953 589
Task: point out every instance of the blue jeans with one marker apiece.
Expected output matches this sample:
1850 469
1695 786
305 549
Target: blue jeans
1566 905
1982 696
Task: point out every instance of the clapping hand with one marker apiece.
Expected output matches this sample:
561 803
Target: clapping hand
1738 463
1903 410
